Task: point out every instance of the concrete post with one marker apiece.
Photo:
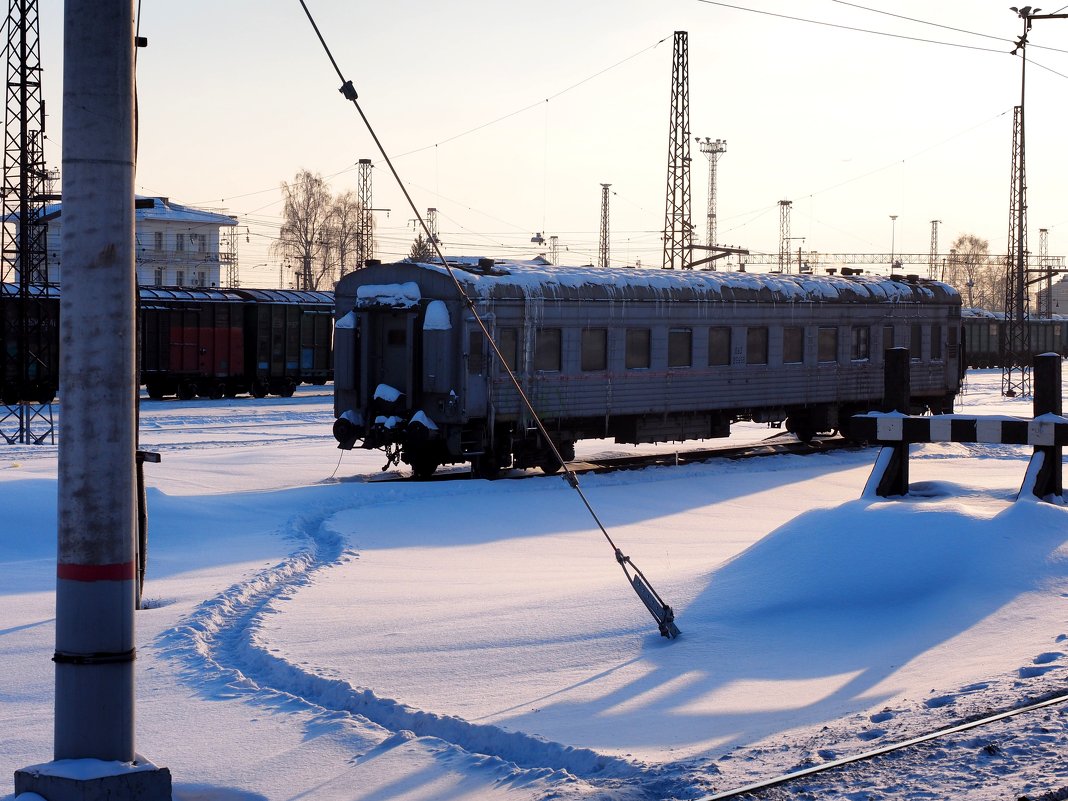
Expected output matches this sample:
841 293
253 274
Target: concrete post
96 571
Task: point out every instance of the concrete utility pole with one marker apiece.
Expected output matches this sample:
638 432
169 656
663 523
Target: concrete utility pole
96 579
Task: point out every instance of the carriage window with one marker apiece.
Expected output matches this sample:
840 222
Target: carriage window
756 345
828 344
507 342
547 350
637 357
888 337
916 342
861 343
680 347
719 346
475 351
594 349
936 342
793 344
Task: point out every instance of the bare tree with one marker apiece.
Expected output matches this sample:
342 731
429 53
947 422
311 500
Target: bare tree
304 232
970 271
343 227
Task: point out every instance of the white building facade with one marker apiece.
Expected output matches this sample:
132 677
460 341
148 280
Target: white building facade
176 245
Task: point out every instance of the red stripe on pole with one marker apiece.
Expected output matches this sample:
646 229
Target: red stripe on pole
123 571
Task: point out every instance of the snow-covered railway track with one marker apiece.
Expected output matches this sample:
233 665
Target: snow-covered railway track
755 789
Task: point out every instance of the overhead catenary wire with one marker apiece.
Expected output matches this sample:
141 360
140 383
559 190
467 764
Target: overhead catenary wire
664 616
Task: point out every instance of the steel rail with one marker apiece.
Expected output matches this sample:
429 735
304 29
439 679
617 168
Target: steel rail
886 749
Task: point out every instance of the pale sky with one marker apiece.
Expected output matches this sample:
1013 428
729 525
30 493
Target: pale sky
508 117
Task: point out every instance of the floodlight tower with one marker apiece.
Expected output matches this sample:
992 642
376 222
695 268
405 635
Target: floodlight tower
554 249
603 260
784 235
365 242
712 150
678 231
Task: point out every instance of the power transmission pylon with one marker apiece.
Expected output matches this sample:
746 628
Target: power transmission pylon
603 260
24 269
784 235
712 150
554 249
932 265
365 242
678 232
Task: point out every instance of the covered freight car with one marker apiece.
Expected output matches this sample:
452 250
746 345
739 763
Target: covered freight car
29 333
638 355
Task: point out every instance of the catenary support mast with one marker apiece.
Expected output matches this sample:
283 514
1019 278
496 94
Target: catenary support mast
678 231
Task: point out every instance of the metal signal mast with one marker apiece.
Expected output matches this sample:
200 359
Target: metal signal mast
678 231
24 268
1045 266
603 260
712 150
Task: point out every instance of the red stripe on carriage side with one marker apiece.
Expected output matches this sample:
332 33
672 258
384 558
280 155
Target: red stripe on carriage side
117 572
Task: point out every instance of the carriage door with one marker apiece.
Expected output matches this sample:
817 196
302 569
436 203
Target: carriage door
477 361
391 354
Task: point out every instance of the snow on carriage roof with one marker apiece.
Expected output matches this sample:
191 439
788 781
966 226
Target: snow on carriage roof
512 279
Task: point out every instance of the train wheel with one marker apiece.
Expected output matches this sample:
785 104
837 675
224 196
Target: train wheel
187 391
215 391
258 390
550 465
287 389
487 467
424 465
155 391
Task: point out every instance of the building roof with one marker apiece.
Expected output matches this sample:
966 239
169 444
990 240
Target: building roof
160 208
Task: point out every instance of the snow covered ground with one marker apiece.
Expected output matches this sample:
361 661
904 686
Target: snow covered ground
321 634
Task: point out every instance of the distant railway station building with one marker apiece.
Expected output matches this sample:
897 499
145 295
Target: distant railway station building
176 245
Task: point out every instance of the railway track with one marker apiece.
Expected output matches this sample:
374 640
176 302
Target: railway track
776 445
793 776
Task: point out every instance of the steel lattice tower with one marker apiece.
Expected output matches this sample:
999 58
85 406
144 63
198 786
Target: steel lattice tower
1016 374
365 241
712 150
432 225
24 268
603 259
932 267
784 235
1045 264
1016 335
678 231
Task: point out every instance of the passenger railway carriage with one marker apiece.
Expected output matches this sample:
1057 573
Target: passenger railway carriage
640 355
